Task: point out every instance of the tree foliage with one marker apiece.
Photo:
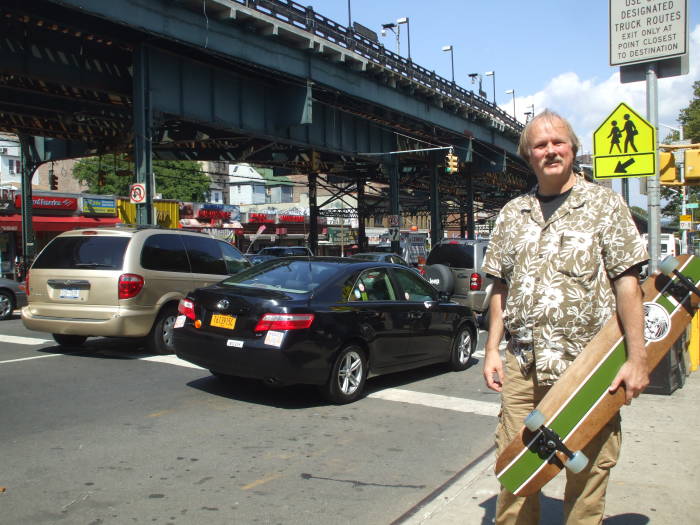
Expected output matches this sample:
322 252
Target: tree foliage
690 117
179 180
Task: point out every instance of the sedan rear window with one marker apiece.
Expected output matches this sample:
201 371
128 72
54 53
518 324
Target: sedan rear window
283 274
89 252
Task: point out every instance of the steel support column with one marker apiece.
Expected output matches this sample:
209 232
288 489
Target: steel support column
394 206
362 242
471 234
313 215
435 219
143 121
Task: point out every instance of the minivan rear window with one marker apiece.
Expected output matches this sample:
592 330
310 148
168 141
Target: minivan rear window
89 253
453 255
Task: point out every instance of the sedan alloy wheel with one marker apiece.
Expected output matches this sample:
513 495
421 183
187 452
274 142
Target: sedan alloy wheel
347 379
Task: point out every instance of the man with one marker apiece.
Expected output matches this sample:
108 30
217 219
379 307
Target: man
564 258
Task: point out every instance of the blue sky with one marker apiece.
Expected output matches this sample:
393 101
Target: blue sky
553 53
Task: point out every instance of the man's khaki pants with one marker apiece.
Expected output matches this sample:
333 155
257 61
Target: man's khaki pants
584 498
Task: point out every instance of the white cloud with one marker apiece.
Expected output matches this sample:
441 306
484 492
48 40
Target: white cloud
587 102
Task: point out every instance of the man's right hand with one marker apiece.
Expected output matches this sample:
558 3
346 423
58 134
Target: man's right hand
493 370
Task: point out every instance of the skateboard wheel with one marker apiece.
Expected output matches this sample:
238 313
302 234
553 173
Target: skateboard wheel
669 264
577 462
534 420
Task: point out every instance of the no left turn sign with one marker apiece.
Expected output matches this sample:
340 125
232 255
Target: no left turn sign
137 193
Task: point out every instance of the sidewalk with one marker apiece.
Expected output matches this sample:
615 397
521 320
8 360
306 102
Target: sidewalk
655 480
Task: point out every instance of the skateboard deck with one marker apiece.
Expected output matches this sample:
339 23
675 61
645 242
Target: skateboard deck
579 405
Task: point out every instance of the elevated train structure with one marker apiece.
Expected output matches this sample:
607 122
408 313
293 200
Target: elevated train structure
268 82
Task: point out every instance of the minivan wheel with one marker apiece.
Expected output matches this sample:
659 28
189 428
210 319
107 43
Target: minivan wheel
347 380
7 305
160 340
462 348
69 340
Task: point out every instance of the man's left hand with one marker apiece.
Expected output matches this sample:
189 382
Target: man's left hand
634 374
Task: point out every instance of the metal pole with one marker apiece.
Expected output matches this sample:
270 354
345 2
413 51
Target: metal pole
349 15
653 182
408 37
452 60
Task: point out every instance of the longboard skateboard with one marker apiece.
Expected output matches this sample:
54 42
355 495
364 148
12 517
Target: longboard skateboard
579 404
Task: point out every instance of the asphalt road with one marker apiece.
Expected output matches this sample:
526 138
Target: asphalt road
111 434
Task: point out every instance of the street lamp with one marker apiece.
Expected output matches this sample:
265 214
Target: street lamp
492 74
397 31
452 60
529 114
404 20
512 92
474 76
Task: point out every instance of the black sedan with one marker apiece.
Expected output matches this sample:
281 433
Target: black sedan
326 321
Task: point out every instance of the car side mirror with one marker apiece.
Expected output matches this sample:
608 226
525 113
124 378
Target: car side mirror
444 297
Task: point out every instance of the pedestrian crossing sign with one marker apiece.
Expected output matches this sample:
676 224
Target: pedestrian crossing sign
624 145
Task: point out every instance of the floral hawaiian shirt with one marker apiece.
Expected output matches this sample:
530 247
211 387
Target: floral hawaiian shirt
559 272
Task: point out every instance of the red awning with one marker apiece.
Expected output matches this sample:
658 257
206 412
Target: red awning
55 224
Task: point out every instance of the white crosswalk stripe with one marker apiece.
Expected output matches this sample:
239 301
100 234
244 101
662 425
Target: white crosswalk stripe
18 340
457 404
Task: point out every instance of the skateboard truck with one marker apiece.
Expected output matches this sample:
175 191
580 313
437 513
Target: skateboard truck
548 441
669 268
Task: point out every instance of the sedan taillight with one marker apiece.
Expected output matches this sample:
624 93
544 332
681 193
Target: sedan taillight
186 308
475 282
284 322
25 285
129 285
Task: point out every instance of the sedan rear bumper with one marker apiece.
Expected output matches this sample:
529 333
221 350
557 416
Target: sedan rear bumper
286 365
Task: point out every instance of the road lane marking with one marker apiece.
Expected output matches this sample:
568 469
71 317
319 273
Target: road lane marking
18 340
28 358
170 360
261 481
458 404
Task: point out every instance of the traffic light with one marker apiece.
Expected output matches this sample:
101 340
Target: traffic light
53 180
315 161
451 163
691 159
667 170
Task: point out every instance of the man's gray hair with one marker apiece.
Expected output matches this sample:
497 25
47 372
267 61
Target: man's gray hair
547 116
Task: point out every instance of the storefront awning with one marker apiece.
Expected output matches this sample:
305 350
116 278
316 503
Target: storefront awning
55 224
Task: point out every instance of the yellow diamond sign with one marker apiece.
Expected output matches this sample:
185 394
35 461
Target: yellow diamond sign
624 145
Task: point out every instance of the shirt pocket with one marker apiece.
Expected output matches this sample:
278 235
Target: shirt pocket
578 255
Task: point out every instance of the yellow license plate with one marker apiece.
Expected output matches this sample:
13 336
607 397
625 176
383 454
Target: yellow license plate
223 321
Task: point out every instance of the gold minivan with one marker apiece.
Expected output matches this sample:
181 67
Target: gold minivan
122 282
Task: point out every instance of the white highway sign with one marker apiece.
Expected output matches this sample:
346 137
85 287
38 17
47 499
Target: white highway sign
647 30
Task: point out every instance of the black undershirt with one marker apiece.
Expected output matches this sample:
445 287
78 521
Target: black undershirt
550 203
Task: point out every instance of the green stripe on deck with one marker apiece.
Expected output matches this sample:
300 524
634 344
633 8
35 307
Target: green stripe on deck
568 418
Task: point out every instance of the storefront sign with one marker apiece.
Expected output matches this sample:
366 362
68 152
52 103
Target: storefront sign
213 214
261 217
99 206
291 218
41 202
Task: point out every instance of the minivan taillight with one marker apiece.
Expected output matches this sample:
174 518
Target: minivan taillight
25 285
475 282
284 322
186 308
129 285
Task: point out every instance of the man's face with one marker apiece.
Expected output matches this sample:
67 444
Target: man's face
551 154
